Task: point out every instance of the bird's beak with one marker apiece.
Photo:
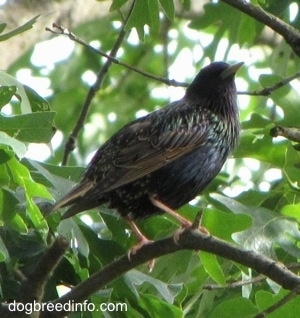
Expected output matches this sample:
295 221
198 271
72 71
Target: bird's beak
232 69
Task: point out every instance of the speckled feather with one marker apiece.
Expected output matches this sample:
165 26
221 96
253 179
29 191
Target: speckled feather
172 153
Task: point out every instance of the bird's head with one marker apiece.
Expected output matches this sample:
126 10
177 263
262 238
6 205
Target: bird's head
214 79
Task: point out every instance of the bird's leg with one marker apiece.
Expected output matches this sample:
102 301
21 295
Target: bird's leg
184 222
142 240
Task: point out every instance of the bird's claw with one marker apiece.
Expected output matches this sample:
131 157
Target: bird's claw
176 235
139 245
191 226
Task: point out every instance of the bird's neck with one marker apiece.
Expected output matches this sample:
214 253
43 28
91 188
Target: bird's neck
222 104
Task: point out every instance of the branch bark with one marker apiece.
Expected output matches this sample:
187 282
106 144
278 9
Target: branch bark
32 287
288 32
189 239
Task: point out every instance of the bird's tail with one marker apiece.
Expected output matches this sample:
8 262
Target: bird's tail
72 197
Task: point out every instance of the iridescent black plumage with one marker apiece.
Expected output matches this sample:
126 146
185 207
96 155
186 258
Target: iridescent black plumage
171 154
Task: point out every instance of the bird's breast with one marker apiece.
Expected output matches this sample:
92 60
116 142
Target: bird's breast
179 182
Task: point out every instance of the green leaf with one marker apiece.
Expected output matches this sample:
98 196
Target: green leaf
34 127
218 15
17 223
5 154
144 12
38 103
62 178
156 307
8 80
234 307
18 147
8 212
256 121
223 225
262 149
291 167
70 229
6 94
26 26
292 210
213 268
4 254
168 7
21 176
268 228
167 291
101 249
154 14
30 100
117 4
287 99
4 175
246 30
2 27
289 309
186 4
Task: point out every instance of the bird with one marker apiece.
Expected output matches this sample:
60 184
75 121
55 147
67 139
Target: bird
160 162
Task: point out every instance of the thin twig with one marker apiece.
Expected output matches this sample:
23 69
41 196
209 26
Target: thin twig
236 284
60 30
269 90
253 280
291 295
170 82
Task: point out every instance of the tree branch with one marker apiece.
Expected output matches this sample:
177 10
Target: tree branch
171 82
270 89
189 239
291 133
32 286
60 30
255 280
289 33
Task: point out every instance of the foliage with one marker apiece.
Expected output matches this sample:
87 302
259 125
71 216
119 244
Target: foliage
253 203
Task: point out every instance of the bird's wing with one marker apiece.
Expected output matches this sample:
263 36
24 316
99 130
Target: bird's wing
145 153
136 150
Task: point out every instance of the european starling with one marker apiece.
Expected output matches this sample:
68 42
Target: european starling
159 162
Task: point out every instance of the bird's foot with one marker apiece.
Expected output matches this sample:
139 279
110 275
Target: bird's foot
185 224
142 241
176 235
191 226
